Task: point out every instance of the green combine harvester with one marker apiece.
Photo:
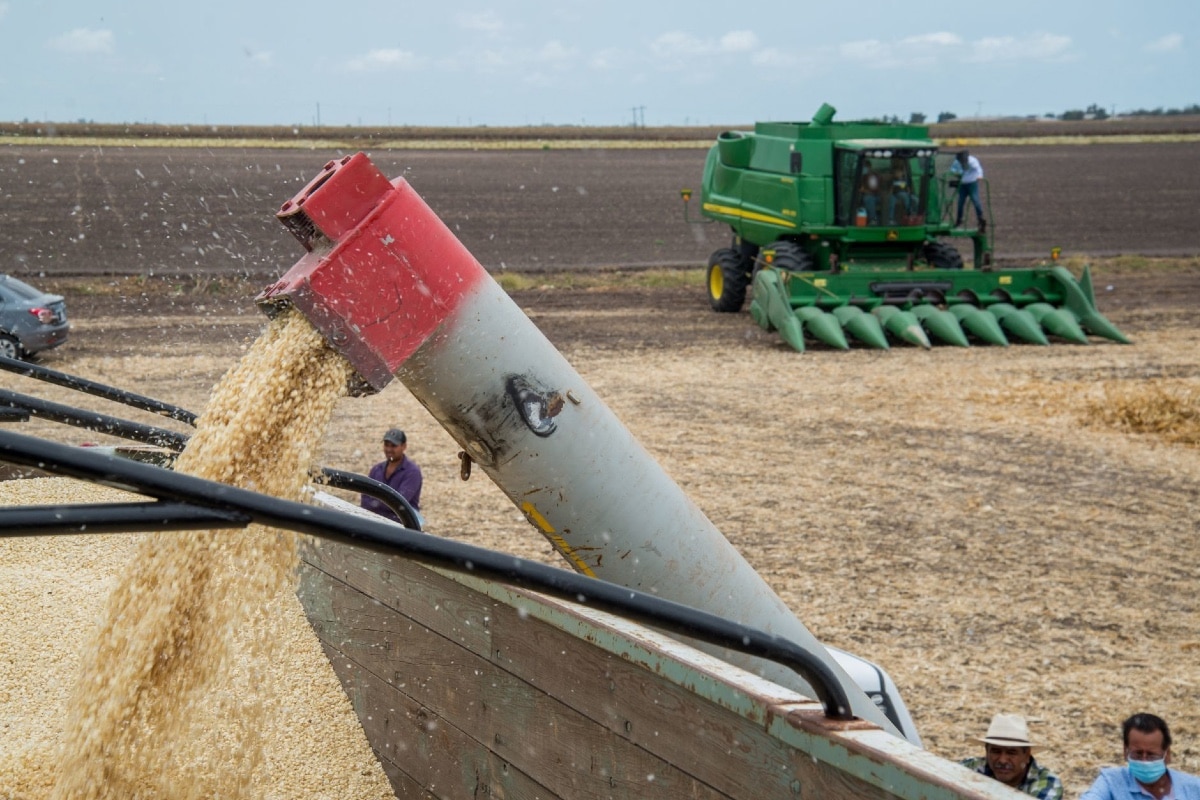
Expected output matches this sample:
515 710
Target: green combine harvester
844 231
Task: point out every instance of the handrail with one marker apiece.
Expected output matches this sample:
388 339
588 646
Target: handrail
98 389
15 406
93 421
229 505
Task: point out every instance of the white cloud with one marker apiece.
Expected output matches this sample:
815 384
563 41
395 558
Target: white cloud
936 39
738 42
1036 47
608 58
391 58
485 22
1168 43
677 50
553 56
866 50
85 41
554 51
775 58
911 52
677 44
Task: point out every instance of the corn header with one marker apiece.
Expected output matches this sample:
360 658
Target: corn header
844 231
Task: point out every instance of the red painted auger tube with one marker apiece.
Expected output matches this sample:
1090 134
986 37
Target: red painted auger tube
382 272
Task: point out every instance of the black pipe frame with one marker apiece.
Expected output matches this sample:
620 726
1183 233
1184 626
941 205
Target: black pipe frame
219 505
19 407
98 389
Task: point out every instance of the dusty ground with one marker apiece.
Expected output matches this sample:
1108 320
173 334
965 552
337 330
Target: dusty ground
949 514
952 514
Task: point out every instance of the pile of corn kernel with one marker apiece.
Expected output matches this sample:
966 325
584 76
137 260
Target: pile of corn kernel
180 664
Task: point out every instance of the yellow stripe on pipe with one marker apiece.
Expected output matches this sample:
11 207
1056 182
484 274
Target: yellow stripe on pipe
559 543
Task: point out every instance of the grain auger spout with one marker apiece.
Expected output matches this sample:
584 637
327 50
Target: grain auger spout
392 289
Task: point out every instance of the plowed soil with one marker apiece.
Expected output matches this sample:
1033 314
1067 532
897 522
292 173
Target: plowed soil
958 516
198 212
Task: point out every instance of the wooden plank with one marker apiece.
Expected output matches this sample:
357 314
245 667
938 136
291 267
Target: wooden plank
572 696
423 595
423 754
399 664
681 727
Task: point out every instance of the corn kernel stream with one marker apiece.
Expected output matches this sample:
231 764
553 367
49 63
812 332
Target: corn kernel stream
174 697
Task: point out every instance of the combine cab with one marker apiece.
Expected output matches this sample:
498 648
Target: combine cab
843 231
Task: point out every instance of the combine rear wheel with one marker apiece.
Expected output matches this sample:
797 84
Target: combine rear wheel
942 256
727 280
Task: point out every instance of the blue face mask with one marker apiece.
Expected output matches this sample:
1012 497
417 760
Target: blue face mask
1147 772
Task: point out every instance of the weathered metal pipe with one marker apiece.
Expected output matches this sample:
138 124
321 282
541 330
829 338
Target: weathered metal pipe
395 292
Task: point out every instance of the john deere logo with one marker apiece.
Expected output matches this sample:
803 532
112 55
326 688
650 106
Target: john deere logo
893 236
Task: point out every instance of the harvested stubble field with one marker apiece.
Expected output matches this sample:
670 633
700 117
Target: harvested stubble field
963 517
969 519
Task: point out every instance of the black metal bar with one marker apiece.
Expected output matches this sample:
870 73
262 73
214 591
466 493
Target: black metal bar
21 406
338 479
9 414
352 481
92 421
98 389
115 518
382 536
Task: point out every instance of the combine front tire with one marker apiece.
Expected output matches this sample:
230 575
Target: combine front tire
942 256
727 280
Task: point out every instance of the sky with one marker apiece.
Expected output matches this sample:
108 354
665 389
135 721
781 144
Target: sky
600 62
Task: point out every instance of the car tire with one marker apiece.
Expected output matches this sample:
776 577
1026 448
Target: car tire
9 347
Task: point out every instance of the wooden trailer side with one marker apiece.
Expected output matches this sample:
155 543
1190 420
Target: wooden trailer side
467 688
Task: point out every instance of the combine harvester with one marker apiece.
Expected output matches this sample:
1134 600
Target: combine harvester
842 232
466 682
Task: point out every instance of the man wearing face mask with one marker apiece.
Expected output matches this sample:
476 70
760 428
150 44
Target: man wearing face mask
1147 754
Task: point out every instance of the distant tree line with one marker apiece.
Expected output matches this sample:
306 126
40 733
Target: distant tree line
1094 111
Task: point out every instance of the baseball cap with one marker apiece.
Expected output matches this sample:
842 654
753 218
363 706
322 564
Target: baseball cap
395 436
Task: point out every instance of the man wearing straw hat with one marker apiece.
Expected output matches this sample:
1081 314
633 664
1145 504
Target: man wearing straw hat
1008 757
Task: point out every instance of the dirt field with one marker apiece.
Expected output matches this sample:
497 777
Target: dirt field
955 515
210 212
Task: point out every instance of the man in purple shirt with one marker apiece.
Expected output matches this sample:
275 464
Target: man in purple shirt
397 471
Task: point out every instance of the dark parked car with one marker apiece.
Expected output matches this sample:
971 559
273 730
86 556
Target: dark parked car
30 320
